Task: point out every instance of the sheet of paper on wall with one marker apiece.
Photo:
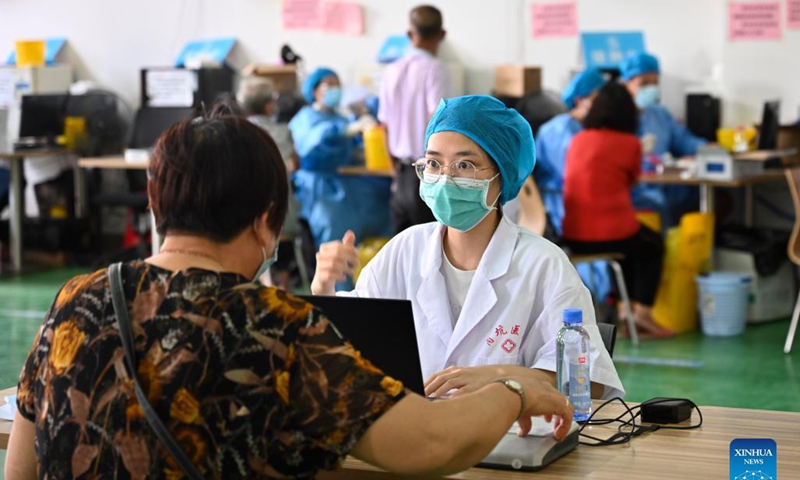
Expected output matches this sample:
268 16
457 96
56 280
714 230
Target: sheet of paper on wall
171 88
301 14
793 14
7 86
552 20
342 17
606 50
754 21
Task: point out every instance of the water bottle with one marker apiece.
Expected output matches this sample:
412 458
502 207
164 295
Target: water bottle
572 364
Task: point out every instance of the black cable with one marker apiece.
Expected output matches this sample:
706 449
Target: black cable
629 429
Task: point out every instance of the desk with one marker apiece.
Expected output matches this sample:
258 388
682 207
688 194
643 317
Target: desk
5 425
16 203
113 163
663 455
672 177
363 171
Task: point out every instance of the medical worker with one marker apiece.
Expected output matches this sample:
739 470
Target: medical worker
551 152
330 202
485 293
661 134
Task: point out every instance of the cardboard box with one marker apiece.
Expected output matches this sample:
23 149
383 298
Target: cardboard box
789 137
517 80
283 76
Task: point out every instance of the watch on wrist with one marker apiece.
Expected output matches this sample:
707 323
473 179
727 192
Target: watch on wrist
515 387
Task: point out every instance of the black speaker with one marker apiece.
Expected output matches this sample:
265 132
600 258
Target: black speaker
703 114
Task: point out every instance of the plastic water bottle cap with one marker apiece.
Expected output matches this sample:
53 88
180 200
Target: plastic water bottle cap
573 315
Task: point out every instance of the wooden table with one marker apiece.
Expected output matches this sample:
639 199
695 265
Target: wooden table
113 163
16 159
5 425
364 171
666 454
673 177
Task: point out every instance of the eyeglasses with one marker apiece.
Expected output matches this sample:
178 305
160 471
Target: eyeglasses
464 173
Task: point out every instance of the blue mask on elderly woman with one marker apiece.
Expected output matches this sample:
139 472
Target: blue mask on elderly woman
267 262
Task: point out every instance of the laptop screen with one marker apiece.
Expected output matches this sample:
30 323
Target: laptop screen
382 330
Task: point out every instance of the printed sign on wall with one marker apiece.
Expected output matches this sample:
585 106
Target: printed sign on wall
300 14
550 20
342 17
754 21
793 13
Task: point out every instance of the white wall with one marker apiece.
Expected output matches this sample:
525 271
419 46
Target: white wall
110 40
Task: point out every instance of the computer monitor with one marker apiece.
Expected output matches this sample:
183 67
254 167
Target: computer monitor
770 123
43 116
150 123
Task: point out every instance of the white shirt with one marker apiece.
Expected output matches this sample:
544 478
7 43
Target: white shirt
457 282
513 309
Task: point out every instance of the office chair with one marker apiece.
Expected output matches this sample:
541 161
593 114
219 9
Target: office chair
608 333
135 201
793 179
533 216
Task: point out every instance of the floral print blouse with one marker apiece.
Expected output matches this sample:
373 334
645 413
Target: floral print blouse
251 381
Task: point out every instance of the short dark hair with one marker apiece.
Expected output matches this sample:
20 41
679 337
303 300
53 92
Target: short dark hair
214 176
426 21
613 108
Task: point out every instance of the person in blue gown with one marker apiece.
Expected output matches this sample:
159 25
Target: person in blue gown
552 143
661 134
324 141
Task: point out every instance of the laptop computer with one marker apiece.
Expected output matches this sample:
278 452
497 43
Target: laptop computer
382 330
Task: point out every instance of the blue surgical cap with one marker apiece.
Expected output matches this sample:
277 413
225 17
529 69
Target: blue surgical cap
313 80
501 132
582 85
639 64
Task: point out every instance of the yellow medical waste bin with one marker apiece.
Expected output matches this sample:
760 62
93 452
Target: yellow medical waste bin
686 250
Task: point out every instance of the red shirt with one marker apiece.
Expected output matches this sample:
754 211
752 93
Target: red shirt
601 167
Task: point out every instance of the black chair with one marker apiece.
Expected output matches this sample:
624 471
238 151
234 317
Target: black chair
136 202
608 332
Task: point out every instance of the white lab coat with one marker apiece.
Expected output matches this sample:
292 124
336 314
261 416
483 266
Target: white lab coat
513 310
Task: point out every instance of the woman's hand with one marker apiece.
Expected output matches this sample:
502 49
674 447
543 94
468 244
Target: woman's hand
543 400
541 397
335 261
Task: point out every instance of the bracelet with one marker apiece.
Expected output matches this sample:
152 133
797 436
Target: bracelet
515 387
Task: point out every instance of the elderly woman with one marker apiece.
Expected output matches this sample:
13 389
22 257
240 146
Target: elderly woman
257 98
248 381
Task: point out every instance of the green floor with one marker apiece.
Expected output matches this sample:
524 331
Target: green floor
749 371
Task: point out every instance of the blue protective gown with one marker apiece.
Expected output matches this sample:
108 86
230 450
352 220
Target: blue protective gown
669 201
552 144
332 203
